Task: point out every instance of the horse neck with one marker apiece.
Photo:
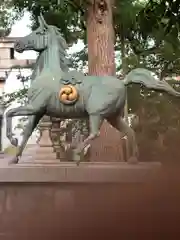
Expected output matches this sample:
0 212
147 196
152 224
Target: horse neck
37 70
49 60
39 67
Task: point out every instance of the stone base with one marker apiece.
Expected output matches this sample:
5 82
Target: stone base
89 211
84 173
36 154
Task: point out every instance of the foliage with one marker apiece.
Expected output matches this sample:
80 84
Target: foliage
159 125
147 32
18 96
67 15
7 16
147 39
161 21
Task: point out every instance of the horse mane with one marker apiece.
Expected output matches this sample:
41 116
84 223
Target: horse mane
64 61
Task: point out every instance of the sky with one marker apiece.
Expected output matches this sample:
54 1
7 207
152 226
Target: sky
20 29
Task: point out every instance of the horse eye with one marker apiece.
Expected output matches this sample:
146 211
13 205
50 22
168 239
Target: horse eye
40 33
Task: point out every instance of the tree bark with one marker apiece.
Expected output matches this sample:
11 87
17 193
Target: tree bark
101 62
100 37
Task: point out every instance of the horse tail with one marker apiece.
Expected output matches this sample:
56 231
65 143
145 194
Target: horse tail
68 94
146 78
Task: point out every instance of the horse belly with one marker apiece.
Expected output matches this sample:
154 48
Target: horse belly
61 110
106 101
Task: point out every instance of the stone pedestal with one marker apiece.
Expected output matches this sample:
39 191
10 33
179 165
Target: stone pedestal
84 173
66 202
43 151
125 149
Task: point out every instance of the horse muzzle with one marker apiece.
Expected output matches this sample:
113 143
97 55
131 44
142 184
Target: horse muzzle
19 46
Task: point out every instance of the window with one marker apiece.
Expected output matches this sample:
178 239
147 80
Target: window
11 53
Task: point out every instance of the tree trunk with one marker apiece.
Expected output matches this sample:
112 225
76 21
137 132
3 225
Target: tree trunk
101 62
100 36
124 69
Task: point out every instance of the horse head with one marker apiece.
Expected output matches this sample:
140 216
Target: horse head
45 37
39 39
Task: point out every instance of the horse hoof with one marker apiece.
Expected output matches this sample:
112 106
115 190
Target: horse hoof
78 162
14 160
133 160
14 142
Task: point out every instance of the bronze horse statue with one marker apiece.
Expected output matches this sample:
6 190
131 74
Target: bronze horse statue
58 93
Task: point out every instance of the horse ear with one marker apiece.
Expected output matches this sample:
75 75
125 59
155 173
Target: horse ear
43 20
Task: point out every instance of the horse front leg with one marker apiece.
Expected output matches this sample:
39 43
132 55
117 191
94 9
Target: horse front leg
95 122
27 110
32 123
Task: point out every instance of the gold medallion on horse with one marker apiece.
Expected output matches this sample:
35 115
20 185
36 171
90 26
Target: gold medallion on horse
68 94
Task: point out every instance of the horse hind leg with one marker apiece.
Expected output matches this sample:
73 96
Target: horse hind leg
95 122
126 130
